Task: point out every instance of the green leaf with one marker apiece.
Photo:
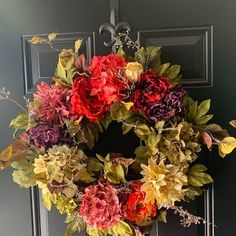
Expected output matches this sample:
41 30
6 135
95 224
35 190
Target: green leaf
197 177
172 72
76 224
121 52
161 69
153 57
20 122
199 168
106 120
66 67
126 128
192 193
159 126
140 56
142 131
23 173
114 173
152 142
85 176
120 111
52 36
89 136
121 228
203 108
162 213
94 165
203 120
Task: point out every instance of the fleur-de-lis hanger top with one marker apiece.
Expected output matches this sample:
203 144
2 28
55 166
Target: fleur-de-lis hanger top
114 31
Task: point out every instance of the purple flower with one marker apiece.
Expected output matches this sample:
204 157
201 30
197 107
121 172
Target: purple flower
44 135
170 106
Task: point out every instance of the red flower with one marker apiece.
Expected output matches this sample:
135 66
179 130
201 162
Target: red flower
112 63
93 96
135 210
150 88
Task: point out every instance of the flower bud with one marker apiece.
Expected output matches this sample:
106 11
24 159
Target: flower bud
133 71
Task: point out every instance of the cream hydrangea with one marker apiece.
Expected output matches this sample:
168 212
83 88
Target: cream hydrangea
163 183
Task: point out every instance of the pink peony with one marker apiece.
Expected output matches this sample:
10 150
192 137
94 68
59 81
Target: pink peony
100 206
54 103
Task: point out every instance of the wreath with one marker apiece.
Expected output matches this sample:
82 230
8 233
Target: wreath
113 194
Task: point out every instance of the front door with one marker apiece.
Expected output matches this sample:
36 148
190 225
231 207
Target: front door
186 29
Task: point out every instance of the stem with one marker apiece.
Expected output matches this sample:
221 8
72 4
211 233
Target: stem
17 104
131 125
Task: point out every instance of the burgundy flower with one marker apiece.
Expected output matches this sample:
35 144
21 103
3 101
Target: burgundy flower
100 206
44 135
150 88
170 106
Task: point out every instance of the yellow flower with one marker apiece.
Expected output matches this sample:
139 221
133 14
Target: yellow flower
163 183
40 165
133 71
64 204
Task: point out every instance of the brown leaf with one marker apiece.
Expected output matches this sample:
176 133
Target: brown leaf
15 151
207 139
81 63
120 159
56 187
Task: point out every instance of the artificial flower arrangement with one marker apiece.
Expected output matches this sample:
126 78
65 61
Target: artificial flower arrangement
113 194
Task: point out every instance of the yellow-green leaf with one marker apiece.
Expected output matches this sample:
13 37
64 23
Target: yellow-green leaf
203 108
20 122
128 105
46 196
161 70
121 228
121 52
78 44
233 123
142 131
106 120
226 146
192 193
197 177
36 40
120 111
52 36
172 72
162 213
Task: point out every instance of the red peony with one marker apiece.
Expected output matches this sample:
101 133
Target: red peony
112 63
93 96
135 210
150 88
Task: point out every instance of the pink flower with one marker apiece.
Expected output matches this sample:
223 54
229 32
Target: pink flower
100 206
53 103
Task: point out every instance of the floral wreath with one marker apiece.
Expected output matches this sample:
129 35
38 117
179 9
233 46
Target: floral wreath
113 195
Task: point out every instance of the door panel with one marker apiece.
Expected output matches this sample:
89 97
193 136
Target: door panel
22 66
186 30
